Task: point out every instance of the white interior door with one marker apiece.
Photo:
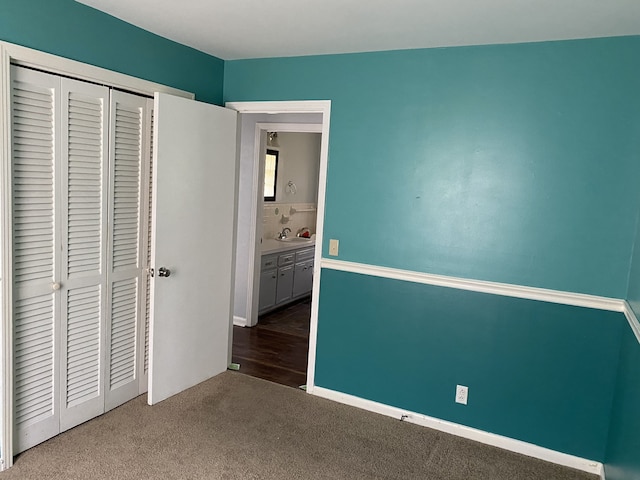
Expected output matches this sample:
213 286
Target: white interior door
194 211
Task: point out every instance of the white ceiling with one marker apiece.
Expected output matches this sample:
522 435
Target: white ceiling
233 29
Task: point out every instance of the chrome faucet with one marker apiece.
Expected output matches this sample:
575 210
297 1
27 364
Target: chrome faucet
283 233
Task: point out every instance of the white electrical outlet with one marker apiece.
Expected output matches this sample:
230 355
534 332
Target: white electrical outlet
462 394
333 247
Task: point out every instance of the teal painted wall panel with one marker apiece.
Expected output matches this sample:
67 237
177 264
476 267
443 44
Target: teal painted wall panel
538 372
510 163
72 30
623 452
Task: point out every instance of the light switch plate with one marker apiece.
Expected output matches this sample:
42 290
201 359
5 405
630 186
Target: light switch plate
333 247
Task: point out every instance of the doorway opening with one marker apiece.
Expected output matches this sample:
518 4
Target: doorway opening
279 239
276 347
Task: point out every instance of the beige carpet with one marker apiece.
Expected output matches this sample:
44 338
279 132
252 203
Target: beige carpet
239 427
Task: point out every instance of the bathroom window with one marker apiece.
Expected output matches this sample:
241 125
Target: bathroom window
270 175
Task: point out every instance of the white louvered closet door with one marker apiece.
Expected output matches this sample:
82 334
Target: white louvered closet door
36 262
84 162
80 179
128 153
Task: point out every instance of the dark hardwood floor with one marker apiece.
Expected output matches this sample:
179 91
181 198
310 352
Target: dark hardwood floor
276 349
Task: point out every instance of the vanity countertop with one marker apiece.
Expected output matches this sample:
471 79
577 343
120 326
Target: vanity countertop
271 245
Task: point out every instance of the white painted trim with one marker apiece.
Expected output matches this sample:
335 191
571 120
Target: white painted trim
239 321
603 474
482 286
304 106
290 128
255 232
632 319
481 436
63 66
315 293
313 106
6 328
234 238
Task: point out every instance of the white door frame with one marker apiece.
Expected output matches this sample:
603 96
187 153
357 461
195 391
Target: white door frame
10 53
311 106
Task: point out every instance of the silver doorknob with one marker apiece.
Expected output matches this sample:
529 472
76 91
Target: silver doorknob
164 272
55 286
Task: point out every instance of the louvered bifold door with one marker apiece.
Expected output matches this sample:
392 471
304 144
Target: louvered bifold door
84 138
128 150
35 251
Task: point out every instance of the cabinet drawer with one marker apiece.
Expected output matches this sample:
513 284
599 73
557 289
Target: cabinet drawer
269 262
286 259
305 254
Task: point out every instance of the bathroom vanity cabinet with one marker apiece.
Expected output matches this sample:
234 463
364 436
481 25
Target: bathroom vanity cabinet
285 276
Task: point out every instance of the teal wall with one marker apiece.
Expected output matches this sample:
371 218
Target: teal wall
511 163
537 372
623 452
72 30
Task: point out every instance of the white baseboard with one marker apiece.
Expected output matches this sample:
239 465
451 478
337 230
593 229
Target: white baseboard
239 321
481 436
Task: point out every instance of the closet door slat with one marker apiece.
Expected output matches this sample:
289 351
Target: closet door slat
84 193
126 186
33 186
83 345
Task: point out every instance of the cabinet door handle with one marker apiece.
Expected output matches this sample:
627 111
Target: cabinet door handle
273 276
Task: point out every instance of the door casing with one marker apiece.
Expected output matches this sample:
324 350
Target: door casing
282 107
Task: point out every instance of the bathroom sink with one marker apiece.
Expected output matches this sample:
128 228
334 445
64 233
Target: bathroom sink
294 240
